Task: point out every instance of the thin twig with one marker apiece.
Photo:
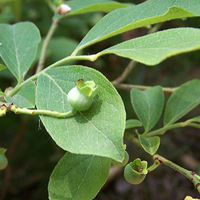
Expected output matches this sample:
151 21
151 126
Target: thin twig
58 63
192 176
17 110
125 74
50 33
141 87
133 63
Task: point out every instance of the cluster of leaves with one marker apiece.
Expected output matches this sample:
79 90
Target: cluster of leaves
149 104
93 137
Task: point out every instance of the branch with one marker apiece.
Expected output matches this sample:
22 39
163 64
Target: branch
192 176
125 74
50 33
133 63
141 87
16 110
58 63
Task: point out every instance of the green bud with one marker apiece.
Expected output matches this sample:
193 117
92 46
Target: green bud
3 159
80 97
135 172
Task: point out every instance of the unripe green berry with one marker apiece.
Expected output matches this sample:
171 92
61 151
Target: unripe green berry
79 101
123 163
80 97
135 172
3 159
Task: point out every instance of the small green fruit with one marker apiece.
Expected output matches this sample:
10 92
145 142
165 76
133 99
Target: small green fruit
3 159
135 172
123 163
80 97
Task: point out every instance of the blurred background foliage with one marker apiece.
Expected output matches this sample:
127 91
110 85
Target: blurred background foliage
33 154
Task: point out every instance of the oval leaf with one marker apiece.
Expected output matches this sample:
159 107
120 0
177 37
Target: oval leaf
78 177
18 47
25 98
80 7
150 145
148 105
133 123
97 131
182 101
154 48
149 12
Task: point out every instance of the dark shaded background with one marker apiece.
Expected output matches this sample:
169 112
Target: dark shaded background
33 154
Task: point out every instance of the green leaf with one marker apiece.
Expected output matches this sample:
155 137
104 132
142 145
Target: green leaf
154 48
97 131
133 123
81 7
2 67
18 47
150 145
147 13
148 105
78 177
182 101
25 98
